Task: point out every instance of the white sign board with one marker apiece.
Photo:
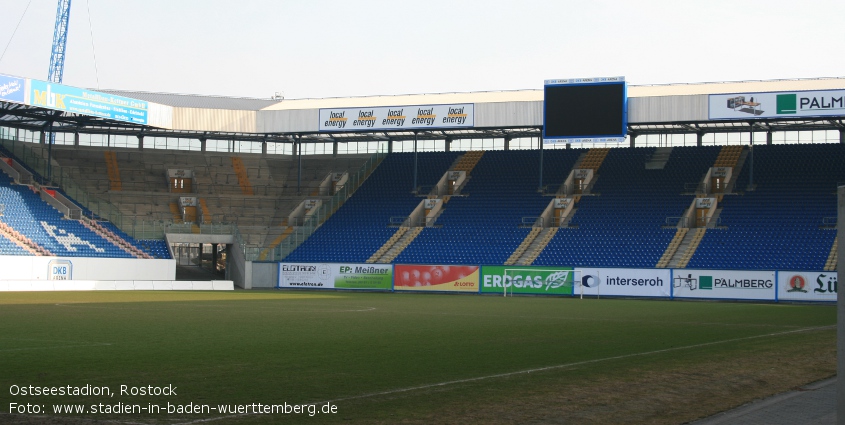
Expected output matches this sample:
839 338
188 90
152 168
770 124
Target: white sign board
724 284
16 267
807 286
188 201
704 202
777 104
397 117
624 282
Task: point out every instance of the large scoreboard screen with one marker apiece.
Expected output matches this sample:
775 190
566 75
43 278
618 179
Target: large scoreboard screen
585 110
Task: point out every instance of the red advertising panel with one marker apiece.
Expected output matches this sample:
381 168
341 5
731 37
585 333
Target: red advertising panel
435 278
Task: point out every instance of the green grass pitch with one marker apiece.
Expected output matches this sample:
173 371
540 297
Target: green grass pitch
400 358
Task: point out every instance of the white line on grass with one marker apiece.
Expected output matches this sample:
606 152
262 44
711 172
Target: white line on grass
215 307
590 319
527 371
95 344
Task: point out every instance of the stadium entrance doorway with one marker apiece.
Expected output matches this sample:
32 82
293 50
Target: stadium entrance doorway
210 257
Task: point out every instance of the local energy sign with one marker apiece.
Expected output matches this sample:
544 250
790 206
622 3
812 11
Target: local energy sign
777 104
396 117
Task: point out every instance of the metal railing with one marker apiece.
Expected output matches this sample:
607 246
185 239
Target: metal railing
398 221
427 190
829 221
695 187
675 221
532 222
553 189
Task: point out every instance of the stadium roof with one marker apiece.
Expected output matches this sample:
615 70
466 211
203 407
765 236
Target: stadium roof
528 95
669 108
198 101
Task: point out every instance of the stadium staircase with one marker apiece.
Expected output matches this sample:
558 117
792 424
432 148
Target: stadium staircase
114 238
536 241
177 215
684 244
395 245
275 242
593 159
833 257
672 249
659 159
243 178
113 170
24 245
206 213
534 247
409 231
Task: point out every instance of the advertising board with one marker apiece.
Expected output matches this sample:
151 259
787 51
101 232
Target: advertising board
397 117
12 89
335 276
777 104
807 286
527 280
87 102
450 278
624 282
724 284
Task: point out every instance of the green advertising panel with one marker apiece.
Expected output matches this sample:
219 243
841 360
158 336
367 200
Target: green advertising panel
527 280
354 276
332 276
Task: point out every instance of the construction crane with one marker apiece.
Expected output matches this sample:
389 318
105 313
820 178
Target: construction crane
57 56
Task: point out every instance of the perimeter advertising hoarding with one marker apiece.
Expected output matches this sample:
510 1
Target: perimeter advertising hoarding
807 286
419 277
12 89
335 276
397 117
87 102
527 280
777 104
625 282
725 284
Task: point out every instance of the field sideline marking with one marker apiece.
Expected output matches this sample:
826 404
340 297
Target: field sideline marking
527 371
93 344
759 325
218 307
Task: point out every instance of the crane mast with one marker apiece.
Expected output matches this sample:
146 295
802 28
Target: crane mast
57 56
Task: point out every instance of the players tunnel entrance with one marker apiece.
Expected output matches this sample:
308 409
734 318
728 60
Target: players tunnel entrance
209 258
201 256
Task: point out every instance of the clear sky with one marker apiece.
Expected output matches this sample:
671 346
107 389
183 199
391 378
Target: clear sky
323 48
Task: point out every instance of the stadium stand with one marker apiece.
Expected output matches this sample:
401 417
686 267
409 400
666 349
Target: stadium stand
780 223
359 227
26 213
622 223
253 191
623 220
484 225
40 229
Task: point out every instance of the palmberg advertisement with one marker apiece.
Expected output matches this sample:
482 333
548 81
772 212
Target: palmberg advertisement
725 284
